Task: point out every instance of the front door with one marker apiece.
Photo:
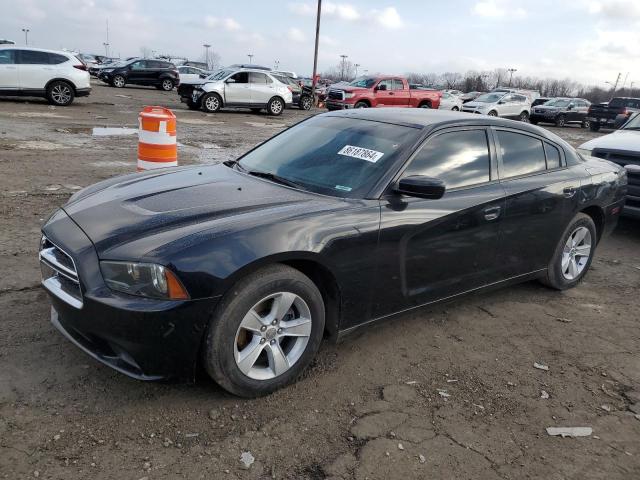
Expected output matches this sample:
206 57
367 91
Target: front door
384 93
8 70
433 249
236 89
542 197
138 72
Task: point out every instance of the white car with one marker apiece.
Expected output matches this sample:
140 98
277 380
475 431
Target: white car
33 72
449 101
501 104
621 147
243 87
189 74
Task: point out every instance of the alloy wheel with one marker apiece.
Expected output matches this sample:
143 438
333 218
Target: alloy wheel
272 336
167 85
61 94
576 253
212 103
118 81
306 103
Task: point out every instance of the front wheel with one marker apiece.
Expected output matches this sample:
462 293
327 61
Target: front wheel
264 332
585 124
493 113
306 102
361 105
455 109
211 103
573 255
561 121
275 106
60 93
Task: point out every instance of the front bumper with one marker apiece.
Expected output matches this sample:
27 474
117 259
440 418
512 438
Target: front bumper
83 92
335 105
144 338
603 122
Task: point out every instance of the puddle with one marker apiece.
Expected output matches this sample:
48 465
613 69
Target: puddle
37 115
262 124
113 131
196 121
114 163
74 130
39 145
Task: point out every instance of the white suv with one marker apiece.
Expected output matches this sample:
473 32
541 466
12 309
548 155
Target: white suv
32 72
501 104
250 88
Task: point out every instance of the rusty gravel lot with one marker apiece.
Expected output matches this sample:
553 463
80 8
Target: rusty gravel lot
446 392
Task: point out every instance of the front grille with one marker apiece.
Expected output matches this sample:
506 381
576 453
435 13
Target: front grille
59 274
335 95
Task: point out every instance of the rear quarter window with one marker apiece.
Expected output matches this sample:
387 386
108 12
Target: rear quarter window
55 59
521 154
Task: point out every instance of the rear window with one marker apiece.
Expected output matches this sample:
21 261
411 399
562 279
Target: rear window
553 156
521 154
33 57
625 102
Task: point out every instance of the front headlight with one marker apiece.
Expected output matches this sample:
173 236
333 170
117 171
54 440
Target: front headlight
584 151
107 70
349 95
143 279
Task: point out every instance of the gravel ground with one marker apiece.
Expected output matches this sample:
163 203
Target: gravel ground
447 392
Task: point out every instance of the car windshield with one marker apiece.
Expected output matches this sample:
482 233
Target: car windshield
341 157
558 103
633 123
490 97
364 82
219 75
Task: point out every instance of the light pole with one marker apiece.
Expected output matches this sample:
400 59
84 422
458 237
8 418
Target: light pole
315 53
344 59
206 54
277 64
631 88
357 65
106 49
250 55
26 35
511 72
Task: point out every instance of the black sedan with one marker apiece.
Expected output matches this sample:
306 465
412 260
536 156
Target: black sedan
342 220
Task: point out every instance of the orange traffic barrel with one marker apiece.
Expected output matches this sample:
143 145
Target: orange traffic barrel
157 146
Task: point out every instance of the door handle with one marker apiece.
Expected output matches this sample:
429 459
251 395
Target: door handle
492 213
569 192
391 93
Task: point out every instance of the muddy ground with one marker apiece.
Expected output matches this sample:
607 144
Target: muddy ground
449 392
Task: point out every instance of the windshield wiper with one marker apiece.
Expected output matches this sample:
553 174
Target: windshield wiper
273 177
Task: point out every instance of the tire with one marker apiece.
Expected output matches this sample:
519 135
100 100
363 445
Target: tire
559 273
226 340
425 105
275 106
561 121
455 109
361 104
493 113
167 85
524 117
60 93
594 127
211 103
585 124
118 81
306 102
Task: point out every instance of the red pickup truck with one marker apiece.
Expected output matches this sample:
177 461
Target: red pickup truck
383 91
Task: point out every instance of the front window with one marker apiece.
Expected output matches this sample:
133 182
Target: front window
489 97
341 157
363 82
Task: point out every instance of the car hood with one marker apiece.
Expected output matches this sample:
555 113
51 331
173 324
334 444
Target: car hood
628 140
128 217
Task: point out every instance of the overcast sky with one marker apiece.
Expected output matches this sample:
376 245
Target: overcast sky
587 40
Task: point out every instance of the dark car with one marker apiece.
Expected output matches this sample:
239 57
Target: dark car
612 114
341 220
158 73
561 112
540 101
302 97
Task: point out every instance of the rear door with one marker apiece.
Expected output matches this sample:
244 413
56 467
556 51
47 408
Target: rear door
34 70
401 96
262 88
237 92
8 70
542 197
432 249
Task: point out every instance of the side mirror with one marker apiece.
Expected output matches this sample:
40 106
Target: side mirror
570 107
421 186
501 102
202 75
230 80
381 88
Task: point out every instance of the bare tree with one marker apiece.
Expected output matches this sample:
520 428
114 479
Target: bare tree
214 61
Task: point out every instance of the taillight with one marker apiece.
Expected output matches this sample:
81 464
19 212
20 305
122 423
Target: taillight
625 111
81 67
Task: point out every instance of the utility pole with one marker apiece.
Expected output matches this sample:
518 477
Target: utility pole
26 35
511 72
206 54
625 80
357 65
250 55
615 87
315 53
344 59
631 88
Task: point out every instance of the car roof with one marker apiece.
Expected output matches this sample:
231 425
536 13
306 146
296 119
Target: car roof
15 47
425 118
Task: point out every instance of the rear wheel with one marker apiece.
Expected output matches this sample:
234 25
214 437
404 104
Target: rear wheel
211 103
60 93
167 85
524 117
264 332
594 127
425 105
275 106
561 121
118 81
573 255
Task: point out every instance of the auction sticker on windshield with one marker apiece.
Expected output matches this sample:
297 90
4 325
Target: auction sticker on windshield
361 153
